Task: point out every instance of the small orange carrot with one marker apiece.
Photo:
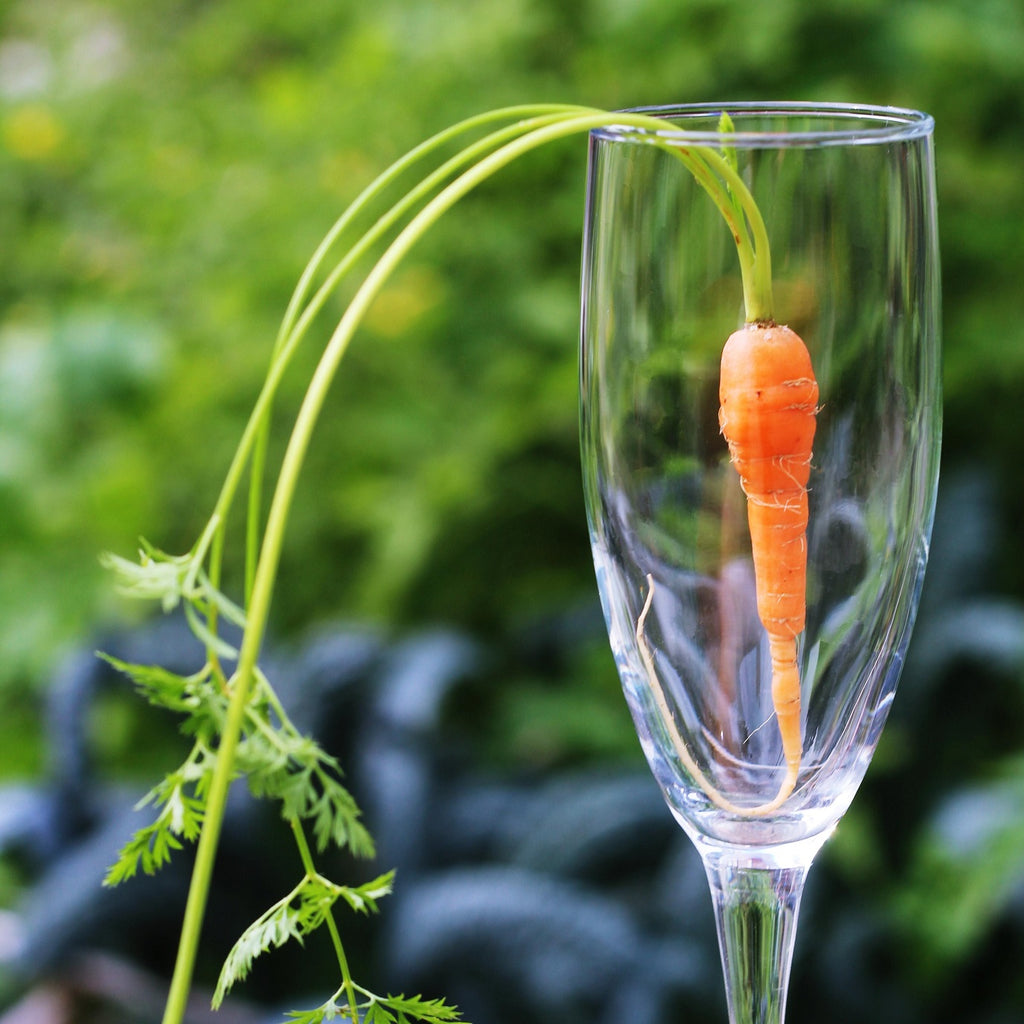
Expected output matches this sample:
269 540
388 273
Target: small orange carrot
768 403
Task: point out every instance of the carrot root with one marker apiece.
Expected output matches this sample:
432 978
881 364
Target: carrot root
768 398
768 407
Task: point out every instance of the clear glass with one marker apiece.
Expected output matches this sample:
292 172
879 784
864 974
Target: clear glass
848 203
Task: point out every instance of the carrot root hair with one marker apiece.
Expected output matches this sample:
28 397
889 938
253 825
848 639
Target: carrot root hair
715 795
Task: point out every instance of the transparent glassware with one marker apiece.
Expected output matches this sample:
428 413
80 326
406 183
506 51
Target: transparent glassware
847 199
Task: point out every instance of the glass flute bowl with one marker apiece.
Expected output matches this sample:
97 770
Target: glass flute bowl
827 213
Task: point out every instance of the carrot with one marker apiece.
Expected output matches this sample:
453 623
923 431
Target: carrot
768 403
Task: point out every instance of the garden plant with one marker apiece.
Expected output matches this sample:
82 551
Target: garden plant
230 708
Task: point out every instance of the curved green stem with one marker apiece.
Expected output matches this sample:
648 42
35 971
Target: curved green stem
252 447
188 944
294 324
712 170
715 175
737 206
749 235
348 986
391 174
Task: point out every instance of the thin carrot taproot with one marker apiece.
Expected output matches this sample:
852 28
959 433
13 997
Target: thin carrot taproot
768 398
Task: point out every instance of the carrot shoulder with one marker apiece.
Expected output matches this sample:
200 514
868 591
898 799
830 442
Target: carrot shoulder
768 403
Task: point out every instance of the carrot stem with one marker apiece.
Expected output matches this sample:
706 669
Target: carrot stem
727 189
533 127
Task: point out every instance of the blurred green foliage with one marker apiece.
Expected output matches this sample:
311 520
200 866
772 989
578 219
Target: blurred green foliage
167 168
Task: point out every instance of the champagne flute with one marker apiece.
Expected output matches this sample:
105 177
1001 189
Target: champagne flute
827 213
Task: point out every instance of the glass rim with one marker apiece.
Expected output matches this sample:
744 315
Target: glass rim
868 123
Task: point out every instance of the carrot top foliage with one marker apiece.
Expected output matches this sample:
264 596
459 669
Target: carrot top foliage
237 723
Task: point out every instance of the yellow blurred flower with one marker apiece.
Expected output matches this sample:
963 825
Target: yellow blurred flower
32 132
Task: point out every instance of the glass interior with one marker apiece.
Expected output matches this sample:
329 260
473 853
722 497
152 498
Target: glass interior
851 219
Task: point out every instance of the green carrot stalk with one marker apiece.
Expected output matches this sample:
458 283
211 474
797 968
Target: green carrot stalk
239 723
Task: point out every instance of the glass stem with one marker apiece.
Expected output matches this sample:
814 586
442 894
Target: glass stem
756 900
